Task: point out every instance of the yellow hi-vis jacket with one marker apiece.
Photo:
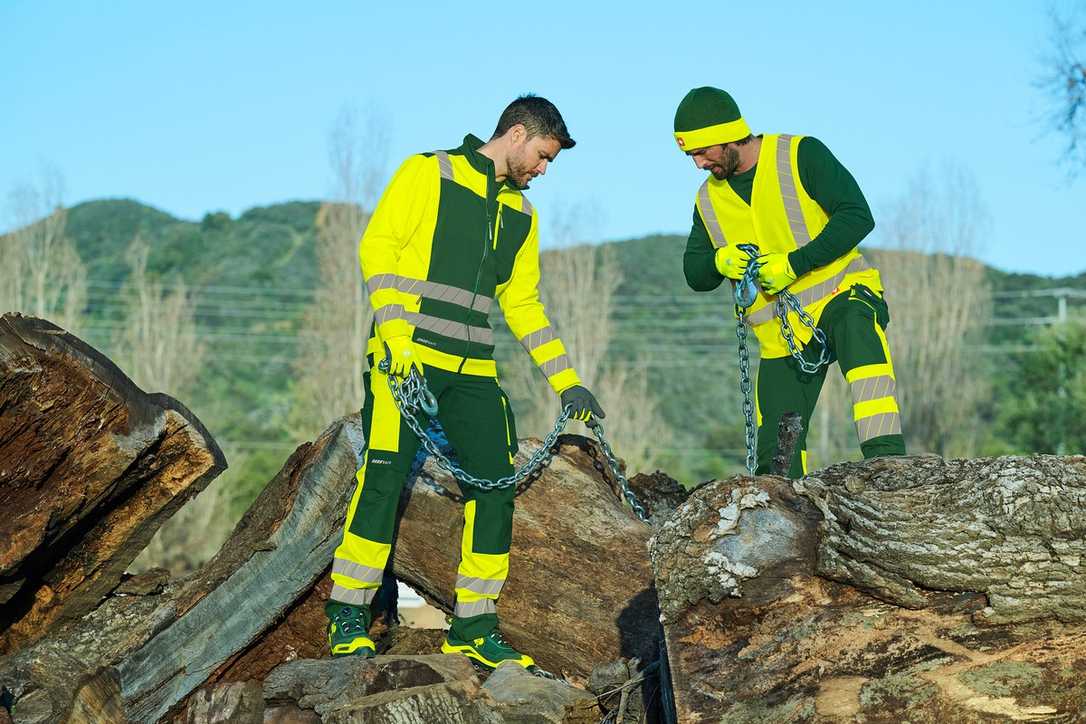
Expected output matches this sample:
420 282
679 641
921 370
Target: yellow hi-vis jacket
444 241
781 217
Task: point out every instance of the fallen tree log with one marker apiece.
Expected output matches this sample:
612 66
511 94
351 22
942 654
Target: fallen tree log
580 593
90 467
148 652
580 589
871 590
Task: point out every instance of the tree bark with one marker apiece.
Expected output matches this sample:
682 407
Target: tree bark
159 648
1012 528
579 591
923 616
90 467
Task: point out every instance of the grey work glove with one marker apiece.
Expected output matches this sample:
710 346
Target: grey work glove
583 403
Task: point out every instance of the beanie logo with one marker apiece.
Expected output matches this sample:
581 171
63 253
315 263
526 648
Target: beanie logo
682 143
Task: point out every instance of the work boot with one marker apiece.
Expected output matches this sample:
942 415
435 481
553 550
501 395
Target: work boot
488 650
348 630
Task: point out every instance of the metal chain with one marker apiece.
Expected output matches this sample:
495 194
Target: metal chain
787 301
747 388
627 492
745 293
412 396
409 394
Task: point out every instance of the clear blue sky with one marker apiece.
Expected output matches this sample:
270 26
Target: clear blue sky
199 106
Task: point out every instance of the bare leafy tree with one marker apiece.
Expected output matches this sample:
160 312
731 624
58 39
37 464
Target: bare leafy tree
42 274
940 302
1064 81
158 344
578 284
336 326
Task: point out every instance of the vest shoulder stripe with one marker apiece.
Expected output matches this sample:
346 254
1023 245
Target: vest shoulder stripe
785 178
708 215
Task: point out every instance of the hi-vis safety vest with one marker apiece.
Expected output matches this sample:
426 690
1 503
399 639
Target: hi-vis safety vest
781 217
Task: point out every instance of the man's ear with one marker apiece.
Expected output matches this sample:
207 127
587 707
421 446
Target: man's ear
517 134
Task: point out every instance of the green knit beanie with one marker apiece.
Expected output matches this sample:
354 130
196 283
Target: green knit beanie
706 117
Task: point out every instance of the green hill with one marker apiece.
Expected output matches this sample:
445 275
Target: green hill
253 277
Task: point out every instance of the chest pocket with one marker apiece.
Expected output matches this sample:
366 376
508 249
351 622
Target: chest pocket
512 233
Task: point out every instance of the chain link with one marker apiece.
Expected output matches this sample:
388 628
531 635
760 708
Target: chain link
409 394
412 396
747 388
745 293
786 301
627 492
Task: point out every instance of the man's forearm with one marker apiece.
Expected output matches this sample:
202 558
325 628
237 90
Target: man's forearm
844 230
699 263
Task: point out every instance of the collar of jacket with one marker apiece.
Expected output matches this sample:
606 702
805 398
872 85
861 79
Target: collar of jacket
470 148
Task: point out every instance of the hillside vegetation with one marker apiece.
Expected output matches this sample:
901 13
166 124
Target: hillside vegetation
670 356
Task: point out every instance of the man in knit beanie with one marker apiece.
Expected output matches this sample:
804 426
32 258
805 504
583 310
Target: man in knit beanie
792 199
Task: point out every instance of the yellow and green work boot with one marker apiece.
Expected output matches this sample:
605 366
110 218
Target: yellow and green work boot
348 630
488 650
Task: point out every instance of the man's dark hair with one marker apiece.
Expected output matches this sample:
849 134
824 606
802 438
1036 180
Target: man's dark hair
538 116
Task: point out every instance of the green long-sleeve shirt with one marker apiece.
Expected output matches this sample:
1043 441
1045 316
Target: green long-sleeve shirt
827 182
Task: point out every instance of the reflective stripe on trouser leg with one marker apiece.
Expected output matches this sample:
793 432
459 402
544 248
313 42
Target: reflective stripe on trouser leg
359 562
480 427
864 354
874 400
480 576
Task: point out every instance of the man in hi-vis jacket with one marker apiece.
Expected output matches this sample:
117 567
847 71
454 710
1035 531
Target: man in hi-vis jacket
452 232
805 212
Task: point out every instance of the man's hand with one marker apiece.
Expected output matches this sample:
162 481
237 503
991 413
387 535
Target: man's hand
731 261
402 356
583 403
775 272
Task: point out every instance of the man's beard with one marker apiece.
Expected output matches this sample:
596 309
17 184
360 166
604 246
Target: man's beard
519 174
728 165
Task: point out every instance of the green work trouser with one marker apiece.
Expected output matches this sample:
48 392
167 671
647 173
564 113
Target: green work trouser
475 415
853 323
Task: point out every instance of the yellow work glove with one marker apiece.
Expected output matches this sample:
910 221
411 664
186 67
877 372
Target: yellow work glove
775 272
731 262
402 355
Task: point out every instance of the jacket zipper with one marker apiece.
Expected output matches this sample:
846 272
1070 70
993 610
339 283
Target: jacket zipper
479 272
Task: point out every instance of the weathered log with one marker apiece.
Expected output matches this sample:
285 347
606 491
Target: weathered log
159 648
1012 528
756 632
393 689
580 588
522 698
90 467
240 702
429 535
419 690
580 592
